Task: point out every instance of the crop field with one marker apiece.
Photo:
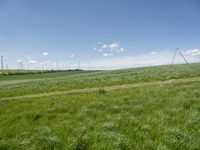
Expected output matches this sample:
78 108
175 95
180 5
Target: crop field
140 108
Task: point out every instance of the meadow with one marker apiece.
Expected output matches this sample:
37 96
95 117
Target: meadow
34 84
150 116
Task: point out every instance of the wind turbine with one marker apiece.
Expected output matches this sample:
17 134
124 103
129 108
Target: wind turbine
1 62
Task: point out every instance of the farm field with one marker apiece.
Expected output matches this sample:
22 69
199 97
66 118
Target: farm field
141 108
35 84
38 74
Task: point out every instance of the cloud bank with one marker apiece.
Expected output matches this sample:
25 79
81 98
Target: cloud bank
45 54
108 50
193 52
109 62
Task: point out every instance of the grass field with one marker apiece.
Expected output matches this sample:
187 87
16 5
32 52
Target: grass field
141 108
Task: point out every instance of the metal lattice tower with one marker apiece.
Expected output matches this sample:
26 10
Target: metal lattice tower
179 51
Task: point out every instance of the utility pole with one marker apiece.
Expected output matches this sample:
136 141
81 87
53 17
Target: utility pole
178 51
1 62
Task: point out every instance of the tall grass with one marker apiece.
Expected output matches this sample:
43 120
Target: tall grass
156 117
150 117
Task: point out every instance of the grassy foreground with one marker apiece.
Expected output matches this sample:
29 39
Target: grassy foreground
149 117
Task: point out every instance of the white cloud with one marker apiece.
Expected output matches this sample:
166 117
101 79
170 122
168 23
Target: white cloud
152 53
19 60
109 49
27 57
160 58
193 52
121 49
111 46
107 54
114 46
72 56
104 46
136 61
107 62
32 61
45 54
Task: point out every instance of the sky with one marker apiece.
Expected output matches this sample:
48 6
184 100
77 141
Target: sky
100 34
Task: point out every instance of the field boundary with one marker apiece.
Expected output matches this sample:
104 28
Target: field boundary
107 88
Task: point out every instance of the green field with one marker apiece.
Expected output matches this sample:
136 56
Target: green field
140 108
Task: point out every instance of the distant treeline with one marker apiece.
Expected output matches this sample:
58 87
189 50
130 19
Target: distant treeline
24 72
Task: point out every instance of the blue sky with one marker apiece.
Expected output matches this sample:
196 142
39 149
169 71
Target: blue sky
98 32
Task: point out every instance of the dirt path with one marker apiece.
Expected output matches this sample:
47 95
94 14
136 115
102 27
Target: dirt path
108 88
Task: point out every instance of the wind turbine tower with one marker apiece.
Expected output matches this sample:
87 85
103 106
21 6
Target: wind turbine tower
57 64
79 65
1 62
